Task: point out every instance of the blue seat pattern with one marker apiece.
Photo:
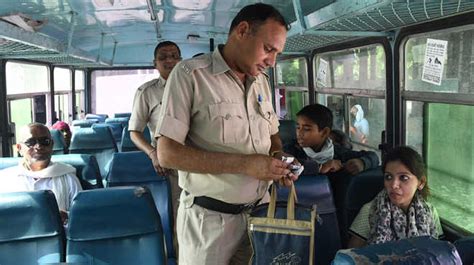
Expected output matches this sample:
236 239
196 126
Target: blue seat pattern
465 247
127 145
123 115
119 226
84 123
115 129
6 162
97 141
87 169
316 190
99 117
412 251
59 144
31 231
136 169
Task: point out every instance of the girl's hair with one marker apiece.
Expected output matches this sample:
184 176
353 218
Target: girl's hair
412 160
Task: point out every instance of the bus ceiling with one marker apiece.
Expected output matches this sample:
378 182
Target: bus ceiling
95 33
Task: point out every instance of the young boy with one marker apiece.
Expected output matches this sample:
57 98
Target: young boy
315 150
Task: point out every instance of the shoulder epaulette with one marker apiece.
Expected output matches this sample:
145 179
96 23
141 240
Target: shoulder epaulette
195 63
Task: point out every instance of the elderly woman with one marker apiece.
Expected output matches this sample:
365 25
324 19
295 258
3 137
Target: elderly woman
401 210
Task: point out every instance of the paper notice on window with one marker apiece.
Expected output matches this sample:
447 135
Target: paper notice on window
434 61
321 77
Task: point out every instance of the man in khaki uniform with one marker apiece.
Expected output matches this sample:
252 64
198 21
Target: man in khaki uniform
145 112
218 128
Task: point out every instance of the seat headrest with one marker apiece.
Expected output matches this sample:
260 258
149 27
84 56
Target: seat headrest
130 167
416 250
99 137
86 165
111 213
122 120
84 123
99 117
6 162
26 215
312 190
58 140
123 115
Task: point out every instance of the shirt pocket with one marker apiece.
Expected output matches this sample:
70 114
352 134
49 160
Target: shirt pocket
264 119
231 122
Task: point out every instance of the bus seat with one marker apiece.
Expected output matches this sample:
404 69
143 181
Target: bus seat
417 250
84 123
123 115
59 145
127 145
115 128
136 169
31 231
6 162
121 120
361 189
316 190
465 247
287 131
118 226
99 117
97 141
87 169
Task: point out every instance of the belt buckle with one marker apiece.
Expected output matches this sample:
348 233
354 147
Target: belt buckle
248 206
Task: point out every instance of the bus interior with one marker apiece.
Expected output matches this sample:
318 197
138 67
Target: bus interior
77 60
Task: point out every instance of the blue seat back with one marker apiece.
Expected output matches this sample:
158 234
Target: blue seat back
6 162
123 115
87 169
316 190
412 251
115 128
119 226
84 123
59 144
127 145
99 117
97 141
465 247
287 131
121 120
31 231
136 169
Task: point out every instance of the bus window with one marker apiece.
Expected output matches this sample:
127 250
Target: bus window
440 125
27 94
79 87
291 93
62 94
106 83
340 76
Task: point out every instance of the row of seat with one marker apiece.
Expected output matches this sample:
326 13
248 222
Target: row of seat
129 168
106 226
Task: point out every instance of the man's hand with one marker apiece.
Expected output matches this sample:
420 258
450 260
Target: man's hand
64 217
330 166
156 164
354 166
288 179
264 167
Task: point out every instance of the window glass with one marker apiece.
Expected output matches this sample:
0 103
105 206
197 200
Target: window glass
366 122
449 158
107 84
291 93
21 114
62 79
355 68
25 78
458 68
336 104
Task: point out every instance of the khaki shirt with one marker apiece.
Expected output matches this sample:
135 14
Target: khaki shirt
146 106
209 108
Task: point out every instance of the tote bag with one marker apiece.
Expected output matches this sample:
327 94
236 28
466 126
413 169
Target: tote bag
282 233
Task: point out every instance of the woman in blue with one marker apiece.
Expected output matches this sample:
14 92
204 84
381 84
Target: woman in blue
401 209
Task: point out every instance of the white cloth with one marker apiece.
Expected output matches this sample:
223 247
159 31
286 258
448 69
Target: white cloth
321 157
59 178
361 123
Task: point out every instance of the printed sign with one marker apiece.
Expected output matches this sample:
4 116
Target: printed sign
435 54
321 77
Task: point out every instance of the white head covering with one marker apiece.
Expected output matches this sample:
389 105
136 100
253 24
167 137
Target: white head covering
360 112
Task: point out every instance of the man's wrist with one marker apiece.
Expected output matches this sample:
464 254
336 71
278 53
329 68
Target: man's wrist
151 152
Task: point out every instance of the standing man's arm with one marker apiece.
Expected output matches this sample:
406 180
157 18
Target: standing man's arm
141 143
176 155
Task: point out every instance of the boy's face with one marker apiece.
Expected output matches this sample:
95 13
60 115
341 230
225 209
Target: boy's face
308 133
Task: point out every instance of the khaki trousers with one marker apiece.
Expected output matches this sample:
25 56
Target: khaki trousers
211 238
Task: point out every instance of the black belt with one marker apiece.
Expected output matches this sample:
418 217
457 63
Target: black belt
223 207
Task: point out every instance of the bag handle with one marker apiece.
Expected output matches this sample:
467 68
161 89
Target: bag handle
290 208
